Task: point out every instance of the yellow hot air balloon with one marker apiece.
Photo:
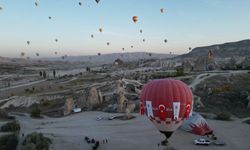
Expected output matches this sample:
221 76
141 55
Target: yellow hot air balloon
135 19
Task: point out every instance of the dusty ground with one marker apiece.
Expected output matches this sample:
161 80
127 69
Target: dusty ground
138 134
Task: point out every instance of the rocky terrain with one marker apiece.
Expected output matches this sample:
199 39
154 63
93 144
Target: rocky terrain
231 49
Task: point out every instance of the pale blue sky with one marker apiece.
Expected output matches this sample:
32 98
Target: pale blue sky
186 23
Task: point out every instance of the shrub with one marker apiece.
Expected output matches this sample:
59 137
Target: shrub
36 141
36 113
180 71
11 127
8 142
224 116
61 87
12 94
3 114
247 121
45 103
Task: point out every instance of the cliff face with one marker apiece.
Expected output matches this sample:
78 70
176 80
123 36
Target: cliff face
233 49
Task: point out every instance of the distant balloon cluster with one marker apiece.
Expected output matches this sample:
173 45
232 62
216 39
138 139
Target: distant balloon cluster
135 19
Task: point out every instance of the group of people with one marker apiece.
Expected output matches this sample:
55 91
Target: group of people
95 142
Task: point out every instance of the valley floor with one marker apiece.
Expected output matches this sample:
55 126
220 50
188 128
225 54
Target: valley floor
68 133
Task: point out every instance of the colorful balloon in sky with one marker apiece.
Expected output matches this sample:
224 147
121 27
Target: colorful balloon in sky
166 102
135 19
162 10
22 54
97 1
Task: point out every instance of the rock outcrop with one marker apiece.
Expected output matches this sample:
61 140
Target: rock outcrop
68 106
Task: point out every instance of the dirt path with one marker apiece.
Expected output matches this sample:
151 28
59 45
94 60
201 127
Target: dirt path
204 76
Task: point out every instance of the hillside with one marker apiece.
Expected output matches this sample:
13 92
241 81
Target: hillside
240 49
110 58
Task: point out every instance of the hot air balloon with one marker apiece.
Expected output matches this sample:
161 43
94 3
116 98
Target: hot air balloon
56 40
141 31
97 1
99 54
50 17
92 36
165 40
28 42
123 49
55 53
190 48
37 54
196 124
132 46
166 102
162 10
143 40
36 3
80 3
100 29
135 19
1 8
22 54
108 43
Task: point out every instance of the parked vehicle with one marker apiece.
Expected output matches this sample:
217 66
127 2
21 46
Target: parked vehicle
202 142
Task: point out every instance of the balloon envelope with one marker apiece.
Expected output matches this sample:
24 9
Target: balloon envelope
196 124
166 102
135 19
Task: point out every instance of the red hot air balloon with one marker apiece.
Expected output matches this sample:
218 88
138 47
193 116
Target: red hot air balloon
166 102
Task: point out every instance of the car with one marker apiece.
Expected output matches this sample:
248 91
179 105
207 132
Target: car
202 142
99 118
